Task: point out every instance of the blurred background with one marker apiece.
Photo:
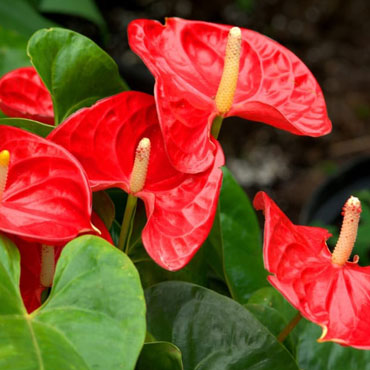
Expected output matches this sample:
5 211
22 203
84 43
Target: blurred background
332 37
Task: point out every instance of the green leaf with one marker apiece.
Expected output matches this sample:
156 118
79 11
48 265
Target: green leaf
159 356
212 331
21 16
94 317
270 297
74 69
104 207
312 355
34 127
82 8
273 320
12 50
241 238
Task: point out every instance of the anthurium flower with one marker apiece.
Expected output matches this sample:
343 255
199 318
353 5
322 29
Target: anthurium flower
24 95
44 193
31 257
207 71
119 143
326 288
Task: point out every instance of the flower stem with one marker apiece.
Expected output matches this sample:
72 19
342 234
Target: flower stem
286 331
216 126
126 223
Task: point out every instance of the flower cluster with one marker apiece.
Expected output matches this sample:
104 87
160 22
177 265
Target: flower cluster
162 149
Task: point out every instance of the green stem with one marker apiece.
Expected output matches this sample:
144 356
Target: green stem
126 222
216 126
281 337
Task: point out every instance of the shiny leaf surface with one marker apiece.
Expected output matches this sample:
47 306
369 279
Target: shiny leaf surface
89 75
213 332
179 207
187 59
24 95
47 196
75 328
241 240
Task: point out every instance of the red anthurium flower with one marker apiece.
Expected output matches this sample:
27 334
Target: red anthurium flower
30 284
324 287
23 94
44 193
188 58
109 137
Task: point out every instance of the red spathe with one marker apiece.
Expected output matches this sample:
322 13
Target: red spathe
335 297
47 198
180 207
24 95
187 59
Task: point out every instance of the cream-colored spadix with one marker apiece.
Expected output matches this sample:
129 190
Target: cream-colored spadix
348 232
140 168
226 89
4 165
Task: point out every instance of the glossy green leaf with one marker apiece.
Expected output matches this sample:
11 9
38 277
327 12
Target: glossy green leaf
241 238
159 356
12 50
212 331
35 127
82 8
273 321
270 297
74 69
22 17
312 355
94 317
104 207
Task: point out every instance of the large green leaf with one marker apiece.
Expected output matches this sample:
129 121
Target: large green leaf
94 317
312 355
74 69
21 16
241 239
212 331
82 8
12 50
35 127
159 356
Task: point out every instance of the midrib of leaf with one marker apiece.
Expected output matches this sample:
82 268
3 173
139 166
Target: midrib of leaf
34 341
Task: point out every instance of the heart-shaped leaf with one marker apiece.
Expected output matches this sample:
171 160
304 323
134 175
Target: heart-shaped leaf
94 317
212 331
90 74
159 356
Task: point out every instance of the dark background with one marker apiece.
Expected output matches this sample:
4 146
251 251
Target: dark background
332 37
